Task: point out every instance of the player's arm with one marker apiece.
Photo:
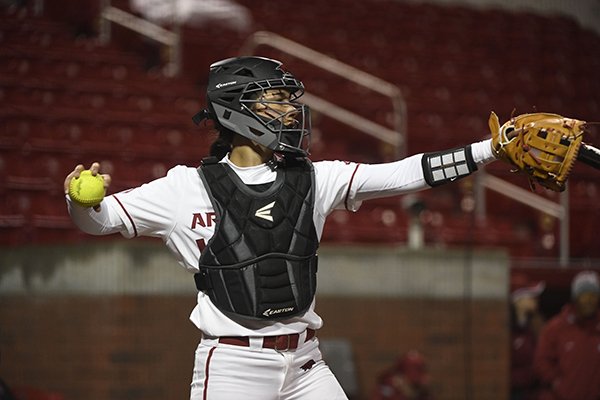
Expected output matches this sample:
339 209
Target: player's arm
344 185
147 210
420 171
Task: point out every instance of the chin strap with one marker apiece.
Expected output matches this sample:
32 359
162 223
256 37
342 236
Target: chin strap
201 116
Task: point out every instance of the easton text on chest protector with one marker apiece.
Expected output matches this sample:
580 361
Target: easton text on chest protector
261 262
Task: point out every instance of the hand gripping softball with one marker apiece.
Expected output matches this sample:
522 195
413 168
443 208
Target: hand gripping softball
544 146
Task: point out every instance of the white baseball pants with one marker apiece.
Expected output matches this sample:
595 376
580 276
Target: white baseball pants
230 372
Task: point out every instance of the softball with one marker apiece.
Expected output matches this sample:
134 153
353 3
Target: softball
87 190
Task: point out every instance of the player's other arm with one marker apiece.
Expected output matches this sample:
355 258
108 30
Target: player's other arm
96 220
420 171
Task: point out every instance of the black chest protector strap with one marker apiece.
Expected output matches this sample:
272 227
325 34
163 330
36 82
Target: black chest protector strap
261 261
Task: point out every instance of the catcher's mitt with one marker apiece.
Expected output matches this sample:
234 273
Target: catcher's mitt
544 146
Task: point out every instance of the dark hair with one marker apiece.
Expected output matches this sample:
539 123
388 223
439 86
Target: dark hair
222 145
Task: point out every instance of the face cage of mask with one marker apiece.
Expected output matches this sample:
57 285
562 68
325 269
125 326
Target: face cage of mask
295 137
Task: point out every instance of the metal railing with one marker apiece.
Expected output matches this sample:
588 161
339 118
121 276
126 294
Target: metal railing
560 211
172 40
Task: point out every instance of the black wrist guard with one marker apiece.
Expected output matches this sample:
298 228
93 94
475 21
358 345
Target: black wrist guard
447 166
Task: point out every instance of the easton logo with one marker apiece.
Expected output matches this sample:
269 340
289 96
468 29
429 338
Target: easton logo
270 312
265 212
220 85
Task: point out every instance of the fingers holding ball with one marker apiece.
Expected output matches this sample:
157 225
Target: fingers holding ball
87 187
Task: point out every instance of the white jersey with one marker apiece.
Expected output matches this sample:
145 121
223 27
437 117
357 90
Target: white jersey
177 209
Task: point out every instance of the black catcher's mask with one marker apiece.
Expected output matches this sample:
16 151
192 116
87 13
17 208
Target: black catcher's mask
237 85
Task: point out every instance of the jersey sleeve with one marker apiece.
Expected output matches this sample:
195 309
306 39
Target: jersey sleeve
150 209
147 210
347 185
103 220
334 186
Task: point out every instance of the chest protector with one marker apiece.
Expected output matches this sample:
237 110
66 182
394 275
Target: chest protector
261 262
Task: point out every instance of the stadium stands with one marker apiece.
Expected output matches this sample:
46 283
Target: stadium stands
68 99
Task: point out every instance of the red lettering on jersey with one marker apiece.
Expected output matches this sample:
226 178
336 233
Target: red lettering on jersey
210 217
201 244
198 219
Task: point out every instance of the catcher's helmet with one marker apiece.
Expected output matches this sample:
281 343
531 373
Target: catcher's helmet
236 85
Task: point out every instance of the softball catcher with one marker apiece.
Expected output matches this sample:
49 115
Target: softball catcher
247 225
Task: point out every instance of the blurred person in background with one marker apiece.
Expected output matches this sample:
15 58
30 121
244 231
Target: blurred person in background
408 379
567 359
526 323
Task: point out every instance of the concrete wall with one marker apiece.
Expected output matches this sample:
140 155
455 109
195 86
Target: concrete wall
109 321
146 267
